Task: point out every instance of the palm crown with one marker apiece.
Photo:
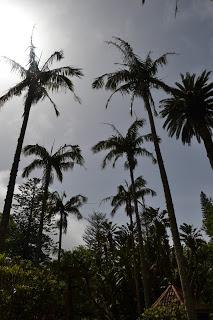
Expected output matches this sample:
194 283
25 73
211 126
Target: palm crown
62 160
72 206
135 77
125 195
39 79
129 145
189 108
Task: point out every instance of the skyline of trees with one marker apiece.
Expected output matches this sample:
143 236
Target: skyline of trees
141 247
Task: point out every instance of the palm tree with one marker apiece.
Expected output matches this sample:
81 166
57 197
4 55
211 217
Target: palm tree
137 77
64 209
36 81
129 146
189 111
62 160
124 197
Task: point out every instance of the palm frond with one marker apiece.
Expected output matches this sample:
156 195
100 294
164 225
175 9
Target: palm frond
140 182
116 78
37 163
112 154
145 192
158 84
144 152
125 48
107 199
98 83
76 201
124 89
76 213
52 102
67 71
16 67
115 208
149 137
114 129
161 61
58 172
65 166
56 56
36 150
70 152
14 91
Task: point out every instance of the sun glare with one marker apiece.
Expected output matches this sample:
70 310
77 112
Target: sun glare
15 29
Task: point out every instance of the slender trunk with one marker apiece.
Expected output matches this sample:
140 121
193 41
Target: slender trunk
137 286
208 143
60 235
12 180
43 210
26 249
145 219
144 268
188 299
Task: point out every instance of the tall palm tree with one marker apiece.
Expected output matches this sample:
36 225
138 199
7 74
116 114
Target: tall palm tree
137 77
129 146
36 81
72 206
188 112
62 160
124 197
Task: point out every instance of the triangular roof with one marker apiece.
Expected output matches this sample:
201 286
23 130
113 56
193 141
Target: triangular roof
171 294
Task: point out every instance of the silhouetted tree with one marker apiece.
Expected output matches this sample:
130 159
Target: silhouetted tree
129 146
124 197
188 112
72 206
36 81
62 160
137 77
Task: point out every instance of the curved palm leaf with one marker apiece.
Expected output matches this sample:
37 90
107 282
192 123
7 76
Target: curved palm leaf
16 67
17 90
56 56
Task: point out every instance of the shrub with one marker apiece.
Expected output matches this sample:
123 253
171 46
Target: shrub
173 311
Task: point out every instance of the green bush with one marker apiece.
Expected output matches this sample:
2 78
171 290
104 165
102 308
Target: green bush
28 292
172 312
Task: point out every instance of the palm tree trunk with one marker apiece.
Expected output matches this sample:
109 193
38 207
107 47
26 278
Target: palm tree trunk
60 235
188 299
144 267
41 223
12 180
137 286
208 143
26 248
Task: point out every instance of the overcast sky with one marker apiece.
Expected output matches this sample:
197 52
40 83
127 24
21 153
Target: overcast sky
80 27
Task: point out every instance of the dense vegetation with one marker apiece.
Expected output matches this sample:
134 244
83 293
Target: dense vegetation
121 269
